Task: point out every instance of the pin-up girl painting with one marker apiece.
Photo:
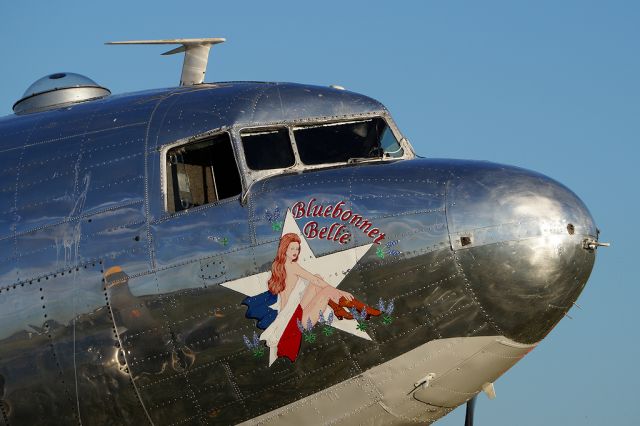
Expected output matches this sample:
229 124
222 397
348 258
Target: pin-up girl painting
295 294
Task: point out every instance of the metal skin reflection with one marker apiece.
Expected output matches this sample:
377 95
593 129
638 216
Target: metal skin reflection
111 309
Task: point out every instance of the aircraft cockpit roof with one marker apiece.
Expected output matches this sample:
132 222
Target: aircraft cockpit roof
254 103
227 104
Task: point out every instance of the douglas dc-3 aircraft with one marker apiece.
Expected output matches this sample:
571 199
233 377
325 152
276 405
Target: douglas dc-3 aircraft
262 253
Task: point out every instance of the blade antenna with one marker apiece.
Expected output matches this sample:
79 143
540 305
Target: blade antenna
196 55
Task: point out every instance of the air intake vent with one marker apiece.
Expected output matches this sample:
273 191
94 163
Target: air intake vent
58 90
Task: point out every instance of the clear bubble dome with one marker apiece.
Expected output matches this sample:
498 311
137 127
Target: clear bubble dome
59 80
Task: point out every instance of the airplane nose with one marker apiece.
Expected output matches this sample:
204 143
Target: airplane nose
521 241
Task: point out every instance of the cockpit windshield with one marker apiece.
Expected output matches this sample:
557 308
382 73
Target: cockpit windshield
267 149
346 142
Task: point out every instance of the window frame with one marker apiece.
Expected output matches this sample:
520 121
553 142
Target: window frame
319 121
286 127
248 176
306 166
164 150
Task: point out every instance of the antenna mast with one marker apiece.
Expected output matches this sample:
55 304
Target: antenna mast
196 55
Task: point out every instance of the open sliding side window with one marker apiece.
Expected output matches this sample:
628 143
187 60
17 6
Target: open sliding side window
200 173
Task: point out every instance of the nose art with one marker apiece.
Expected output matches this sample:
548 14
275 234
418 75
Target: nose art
521 240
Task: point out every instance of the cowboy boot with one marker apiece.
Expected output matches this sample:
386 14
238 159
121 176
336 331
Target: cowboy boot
360 306
339 311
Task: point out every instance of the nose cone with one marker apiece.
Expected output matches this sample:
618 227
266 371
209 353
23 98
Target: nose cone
519 241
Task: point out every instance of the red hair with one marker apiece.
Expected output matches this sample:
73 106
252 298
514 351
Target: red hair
278 273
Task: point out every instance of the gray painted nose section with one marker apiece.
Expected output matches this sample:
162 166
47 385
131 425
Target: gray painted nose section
518 238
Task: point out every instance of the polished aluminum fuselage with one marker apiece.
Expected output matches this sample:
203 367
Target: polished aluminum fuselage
486 250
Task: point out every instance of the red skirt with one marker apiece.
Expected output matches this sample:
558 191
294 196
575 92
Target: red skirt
289 344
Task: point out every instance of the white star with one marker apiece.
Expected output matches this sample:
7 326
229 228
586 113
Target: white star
332 267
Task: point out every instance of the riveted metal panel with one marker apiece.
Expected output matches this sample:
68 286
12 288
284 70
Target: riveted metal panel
118 181
41 162
55 194
332 367
151 327
27 358
553 276
122 111
487 194
127 247
49 249
416 286
8 270
139 319
9 175
213 270
86 347
202 232
49 181
16 130
114 147
59 209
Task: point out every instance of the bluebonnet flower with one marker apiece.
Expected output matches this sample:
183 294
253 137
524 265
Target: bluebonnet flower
387 250
387 310
247 342
254 345
361 317
273 218
327 330
307 332
330 318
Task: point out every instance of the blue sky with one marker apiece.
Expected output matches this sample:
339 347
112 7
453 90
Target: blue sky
546 85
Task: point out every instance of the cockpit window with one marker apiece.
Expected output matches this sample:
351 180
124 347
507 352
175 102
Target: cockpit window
201 173
344 142
267 149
